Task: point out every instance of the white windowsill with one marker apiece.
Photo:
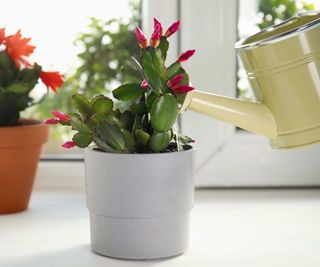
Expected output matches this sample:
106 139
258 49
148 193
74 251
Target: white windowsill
256 227
245 161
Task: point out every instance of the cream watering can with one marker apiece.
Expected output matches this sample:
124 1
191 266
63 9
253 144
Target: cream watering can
282 63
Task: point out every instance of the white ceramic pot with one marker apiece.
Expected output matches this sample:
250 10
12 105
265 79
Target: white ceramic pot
139 203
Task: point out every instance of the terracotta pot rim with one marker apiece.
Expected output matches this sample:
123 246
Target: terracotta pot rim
26 123
31 133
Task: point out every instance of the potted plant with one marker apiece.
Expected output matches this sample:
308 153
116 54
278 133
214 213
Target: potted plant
139 172
20 139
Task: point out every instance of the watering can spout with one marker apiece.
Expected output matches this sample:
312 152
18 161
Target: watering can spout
254 117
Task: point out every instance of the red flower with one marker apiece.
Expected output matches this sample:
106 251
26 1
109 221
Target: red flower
61 116
157 23
175 81
18 48
183 89
52 80
2 35
172 29
69 144
52 121
155 37
143 42
144 84
186 55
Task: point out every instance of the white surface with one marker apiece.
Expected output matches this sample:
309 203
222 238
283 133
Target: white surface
228 228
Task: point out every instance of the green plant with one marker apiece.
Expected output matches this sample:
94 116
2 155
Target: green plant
141 118
16 82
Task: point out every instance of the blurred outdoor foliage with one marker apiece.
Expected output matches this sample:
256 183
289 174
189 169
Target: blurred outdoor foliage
106 47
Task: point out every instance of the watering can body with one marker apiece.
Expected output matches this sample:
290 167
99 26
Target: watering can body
283 68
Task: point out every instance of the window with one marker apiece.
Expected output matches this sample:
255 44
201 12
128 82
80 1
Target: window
68 35
226 157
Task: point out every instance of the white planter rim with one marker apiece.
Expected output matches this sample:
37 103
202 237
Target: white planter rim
166 154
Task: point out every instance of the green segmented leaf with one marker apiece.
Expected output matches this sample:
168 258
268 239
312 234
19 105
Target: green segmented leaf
103 146
101 104
163 46
160 141
114 118
30 76
131 74
81 104
18 88
111 135
79 126
129 91
127 119
142 137
97 118
137 123
185 139
129 139
154 69
138 108
150 99
82 140
164 113
173 70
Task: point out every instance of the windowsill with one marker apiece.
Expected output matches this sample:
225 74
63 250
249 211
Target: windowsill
245 161
256 227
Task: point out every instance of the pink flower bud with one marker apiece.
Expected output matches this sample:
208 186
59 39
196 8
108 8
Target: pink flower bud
144 84
175 81
172 29
68 144
52 121
61 116
158 23
143 42
183 89
155 37
186 55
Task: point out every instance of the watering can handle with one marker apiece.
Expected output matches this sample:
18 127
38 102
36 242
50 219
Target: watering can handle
252 116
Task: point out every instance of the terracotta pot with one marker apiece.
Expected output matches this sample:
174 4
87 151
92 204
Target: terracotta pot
20 148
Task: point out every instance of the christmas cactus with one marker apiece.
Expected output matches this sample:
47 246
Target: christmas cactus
141 116
18 77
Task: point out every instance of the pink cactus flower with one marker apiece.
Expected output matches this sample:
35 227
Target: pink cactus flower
172 29
175 81
61 116
143 42
183 89
155 37
52 121
186 55
144 84
158 23
69 144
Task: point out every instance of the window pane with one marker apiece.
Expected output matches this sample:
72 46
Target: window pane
87 41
